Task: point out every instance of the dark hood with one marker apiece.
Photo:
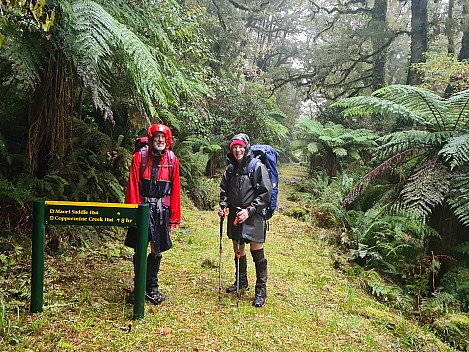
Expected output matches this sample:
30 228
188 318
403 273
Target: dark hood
247 155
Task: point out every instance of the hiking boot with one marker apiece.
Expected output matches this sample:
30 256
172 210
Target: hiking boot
259 299
243 275
243 285
154 297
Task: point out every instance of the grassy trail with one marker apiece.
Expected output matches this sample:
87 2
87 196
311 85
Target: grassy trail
311 306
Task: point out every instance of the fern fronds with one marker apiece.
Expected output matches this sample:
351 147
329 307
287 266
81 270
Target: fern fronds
458 197
420 105
399 142
378 172
364 106
462 248
460 104
25 52
428 105
51 186
456 151
8 192
426 188
95 39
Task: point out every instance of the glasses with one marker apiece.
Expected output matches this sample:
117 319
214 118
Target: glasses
159 137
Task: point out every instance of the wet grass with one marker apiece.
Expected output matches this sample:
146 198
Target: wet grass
311 306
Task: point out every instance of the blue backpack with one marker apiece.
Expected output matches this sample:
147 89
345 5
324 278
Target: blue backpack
268 156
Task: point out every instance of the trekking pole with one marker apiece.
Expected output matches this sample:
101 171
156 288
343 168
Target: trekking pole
237 257
225 210
237 273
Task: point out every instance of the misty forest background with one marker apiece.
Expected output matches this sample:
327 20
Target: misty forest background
370 96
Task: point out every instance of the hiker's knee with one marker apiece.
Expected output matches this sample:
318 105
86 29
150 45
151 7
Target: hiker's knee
242 248
254 246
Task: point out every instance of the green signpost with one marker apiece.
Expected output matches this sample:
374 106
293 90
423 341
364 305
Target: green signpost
94 214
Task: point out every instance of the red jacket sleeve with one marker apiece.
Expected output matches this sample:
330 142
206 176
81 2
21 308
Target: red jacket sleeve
175 207
132 194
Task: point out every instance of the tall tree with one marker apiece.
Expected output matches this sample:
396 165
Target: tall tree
449 27
464 51
378 15
418 38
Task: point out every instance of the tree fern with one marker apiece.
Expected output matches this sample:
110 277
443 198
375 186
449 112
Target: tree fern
104 39
332 140
441 143
399 142
429 106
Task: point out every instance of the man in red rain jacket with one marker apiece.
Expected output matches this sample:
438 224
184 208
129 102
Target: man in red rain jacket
154 179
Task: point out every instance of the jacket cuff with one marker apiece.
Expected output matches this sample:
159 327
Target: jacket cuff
251 210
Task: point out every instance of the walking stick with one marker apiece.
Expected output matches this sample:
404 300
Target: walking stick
237 273
225 210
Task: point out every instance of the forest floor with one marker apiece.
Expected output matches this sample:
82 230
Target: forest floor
311 305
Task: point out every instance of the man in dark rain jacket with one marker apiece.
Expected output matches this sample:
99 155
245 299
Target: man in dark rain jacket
246 197
154 179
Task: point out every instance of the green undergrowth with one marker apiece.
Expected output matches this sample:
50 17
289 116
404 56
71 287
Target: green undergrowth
311 305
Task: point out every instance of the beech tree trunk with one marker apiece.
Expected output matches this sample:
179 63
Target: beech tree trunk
419 40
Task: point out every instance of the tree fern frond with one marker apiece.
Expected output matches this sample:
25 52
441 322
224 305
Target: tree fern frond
309 127
340 151
426 188
94 35
462 248
401 141
148 21
364 106
460 103
313 147
202 144
420 105
425 103
378 172
458 197
26 55
456 151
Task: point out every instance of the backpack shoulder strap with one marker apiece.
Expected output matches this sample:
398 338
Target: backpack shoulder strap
171 162
170 157
144 160
229 171
251 166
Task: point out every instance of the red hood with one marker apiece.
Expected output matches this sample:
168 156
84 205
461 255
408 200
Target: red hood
160 128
